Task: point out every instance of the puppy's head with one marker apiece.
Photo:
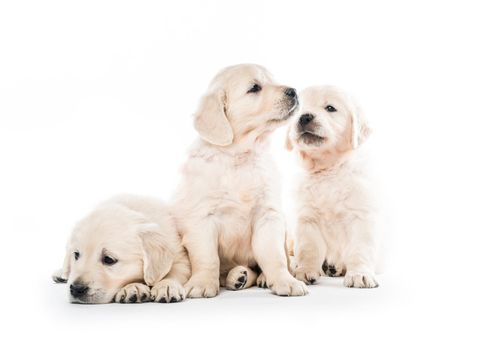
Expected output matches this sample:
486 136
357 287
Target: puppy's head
110 248
329 121
243 103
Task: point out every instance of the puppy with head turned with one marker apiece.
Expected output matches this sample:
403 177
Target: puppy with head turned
126 250
228 206
335 233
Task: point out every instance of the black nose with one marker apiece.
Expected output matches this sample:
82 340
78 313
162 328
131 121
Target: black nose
290 92
78 289
305 119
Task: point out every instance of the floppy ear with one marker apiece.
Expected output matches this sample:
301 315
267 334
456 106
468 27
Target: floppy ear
288 144
359 127
158 258
211 122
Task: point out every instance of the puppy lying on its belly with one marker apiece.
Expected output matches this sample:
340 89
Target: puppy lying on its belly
127 245
335 229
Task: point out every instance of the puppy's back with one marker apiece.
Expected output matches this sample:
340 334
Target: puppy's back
155 209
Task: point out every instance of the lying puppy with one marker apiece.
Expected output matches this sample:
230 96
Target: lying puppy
228 206
124 242
335 228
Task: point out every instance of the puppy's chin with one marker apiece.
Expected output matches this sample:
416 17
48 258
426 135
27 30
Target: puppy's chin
287 110
97 297
310 139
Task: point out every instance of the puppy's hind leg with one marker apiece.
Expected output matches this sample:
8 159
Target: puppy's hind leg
261 281
333 269
240 277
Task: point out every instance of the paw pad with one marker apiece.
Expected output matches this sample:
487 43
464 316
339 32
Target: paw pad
332 270
241 281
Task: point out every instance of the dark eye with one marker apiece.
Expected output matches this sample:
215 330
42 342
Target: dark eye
76 255
330 109
108 260
254 89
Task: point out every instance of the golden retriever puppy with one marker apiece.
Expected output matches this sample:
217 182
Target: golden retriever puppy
127 250
228 205
336 217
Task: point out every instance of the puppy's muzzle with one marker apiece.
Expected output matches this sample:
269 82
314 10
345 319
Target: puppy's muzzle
307 130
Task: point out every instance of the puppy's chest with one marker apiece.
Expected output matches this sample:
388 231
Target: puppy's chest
324 192
235 196
233 191
336 199
326 198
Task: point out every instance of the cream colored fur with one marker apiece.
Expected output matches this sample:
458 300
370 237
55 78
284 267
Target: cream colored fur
336 214
141 235
228 205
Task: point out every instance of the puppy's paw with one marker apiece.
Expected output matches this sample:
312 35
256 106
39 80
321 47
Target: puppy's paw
168 291
310 276
261 281
360 280
199 287
58 276
237 278
288 286
133 293
333 270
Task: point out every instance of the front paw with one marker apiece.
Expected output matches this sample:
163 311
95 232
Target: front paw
288 286
360 280
237 278
307 275
133 293
200 287
59 277
168 291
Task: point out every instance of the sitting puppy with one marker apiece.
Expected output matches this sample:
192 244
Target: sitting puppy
335 228
228 206
124 242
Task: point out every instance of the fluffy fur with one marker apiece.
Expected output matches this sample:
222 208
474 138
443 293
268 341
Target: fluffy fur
141 237
336 217
228 206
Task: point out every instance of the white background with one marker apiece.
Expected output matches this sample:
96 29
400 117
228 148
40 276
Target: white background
96 98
